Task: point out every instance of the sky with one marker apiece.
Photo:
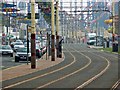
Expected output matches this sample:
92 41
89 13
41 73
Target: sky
64 3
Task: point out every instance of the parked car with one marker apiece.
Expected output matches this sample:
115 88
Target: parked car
18 45
25 44
18 40
12 44
21 54
44 49
38 51
6 50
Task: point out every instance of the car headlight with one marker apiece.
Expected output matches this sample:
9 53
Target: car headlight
10 51
29 54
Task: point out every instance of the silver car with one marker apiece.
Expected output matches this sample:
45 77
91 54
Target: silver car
18 45
6 50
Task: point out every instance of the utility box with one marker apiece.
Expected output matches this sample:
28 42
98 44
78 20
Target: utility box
60 48
108 44
104 45
115 47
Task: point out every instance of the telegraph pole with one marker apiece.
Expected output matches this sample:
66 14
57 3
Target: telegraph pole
33 46
119 28
52 32
113 23
57 28
96 32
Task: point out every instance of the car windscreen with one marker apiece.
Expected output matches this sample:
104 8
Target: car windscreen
26 43
92 38
23 50
18 44
6 47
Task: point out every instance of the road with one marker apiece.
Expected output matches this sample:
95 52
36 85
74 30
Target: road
82 68
8 62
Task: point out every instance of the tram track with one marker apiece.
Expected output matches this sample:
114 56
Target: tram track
113 59
10 86
52 82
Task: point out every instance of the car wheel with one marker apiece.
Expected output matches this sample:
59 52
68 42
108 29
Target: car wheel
29 58
11 55
16 59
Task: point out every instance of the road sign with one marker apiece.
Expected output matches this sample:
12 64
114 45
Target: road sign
5 5
10 9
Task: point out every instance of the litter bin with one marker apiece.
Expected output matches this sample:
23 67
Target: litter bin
60 50
107 44
104 45
115 47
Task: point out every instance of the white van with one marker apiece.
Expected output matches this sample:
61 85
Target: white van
91 38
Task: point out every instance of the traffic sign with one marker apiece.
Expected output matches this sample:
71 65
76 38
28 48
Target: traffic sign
5 5
10 9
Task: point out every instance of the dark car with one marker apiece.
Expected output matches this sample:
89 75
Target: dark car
21 55
6 50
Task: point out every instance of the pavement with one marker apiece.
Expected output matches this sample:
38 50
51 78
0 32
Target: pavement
25 69
99 47
96 47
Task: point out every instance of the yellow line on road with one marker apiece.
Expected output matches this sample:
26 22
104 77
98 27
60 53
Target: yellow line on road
21 66
13 67
115 85
68 74
96 76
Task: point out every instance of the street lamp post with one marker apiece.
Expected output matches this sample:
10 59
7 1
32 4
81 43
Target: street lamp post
57 29
33 29
52 32
113 32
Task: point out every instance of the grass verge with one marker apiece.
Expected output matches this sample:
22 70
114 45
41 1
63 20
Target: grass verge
109 50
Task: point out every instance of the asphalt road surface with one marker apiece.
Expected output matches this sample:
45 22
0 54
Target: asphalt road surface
8 62
82 68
